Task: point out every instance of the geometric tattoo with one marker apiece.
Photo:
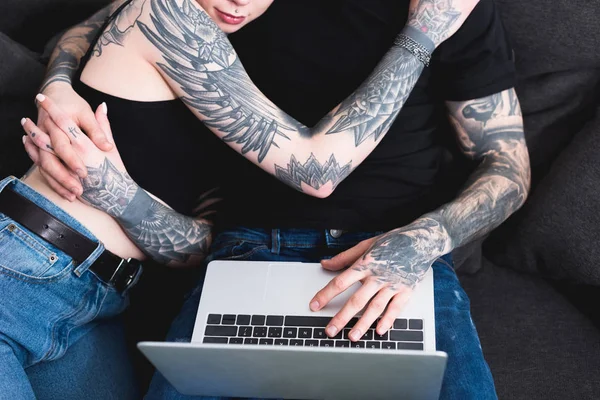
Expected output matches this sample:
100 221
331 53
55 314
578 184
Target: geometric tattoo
312 172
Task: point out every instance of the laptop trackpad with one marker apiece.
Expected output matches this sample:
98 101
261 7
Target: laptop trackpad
291 286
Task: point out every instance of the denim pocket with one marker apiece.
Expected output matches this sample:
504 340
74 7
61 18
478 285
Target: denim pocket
24 254
240 250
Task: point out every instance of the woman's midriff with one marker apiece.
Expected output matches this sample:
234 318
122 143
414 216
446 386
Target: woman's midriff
104 227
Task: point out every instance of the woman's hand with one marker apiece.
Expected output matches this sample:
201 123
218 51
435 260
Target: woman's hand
38 144
61 166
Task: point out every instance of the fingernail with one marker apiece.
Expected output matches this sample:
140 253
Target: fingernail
104 108
332 330
40 97
23 120
355 335
80 173
24 139
75 191
314 305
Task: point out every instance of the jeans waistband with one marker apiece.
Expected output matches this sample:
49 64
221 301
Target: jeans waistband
276 238
16 185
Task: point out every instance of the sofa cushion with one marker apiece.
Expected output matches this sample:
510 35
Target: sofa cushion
537 344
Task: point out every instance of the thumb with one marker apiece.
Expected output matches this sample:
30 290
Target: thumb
104 123
95 131
348 257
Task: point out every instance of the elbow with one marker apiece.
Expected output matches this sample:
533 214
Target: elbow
321 193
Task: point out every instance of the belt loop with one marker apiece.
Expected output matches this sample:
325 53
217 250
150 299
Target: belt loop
84 266
275 241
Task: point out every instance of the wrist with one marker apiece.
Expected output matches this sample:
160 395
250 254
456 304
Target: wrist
55 83
417 43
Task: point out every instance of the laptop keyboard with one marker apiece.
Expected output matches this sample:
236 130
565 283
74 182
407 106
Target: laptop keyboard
308 331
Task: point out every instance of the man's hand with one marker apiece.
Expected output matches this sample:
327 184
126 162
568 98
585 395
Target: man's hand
62 176
389 267
439 19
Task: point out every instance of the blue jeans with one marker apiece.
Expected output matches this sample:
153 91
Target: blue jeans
48 301
467 374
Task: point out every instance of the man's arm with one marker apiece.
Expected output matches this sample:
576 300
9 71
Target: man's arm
489 129
73 45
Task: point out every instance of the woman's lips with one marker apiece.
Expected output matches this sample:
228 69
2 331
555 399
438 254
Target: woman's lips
229 19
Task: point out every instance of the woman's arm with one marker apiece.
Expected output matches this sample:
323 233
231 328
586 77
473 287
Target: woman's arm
198 62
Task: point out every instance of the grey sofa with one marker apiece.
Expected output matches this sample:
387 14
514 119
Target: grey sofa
534 282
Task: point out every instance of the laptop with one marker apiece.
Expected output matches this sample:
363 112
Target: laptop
255 336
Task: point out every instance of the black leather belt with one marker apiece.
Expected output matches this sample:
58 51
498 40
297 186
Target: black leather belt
112 269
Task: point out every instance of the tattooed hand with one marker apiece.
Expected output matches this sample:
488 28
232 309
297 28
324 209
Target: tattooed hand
159 231
439 19
389 266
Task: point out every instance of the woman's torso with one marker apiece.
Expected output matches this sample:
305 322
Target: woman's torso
154 133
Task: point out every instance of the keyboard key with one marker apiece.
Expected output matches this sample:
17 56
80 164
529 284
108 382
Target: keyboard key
319 333
373 345
352 322
305 333
215 340
409 346
219 330
245 331
258 320
274 332
400 324
342 343
339 335
388 345
415 324
382 337
296 342
214 319
265 341
311 343
368 335
260 331
250 341
275 320
326 343
346 332
228 319
281 342
320 322
236 340
290 332
358 345
243 320
406 336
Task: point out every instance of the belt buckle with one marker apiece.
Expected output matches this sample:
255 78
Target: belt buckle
130 275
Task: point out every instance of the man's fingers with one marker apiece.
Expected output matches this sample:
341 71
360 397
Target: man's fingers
97 128
57 187
374 310
356 303
393 310
336 286
348 257
53 168
38 137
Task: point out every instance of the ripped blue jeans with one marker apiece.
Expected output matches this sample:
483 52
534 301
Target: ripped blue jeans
467 374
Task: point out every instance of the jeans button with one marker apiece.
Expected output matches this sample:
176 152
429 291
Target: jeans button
335 233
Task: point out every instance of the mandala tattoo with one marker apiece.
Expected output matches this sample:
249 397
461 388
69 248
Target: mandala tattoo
159 231
434 18
312 172
108 189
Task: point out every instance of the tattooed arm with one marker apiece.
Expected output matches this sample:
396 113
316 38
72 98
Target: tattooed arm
73 45
157 230
489 130
198 62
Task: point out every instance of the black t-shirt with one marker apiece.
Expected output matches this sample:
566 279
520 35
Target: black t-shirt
307 56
